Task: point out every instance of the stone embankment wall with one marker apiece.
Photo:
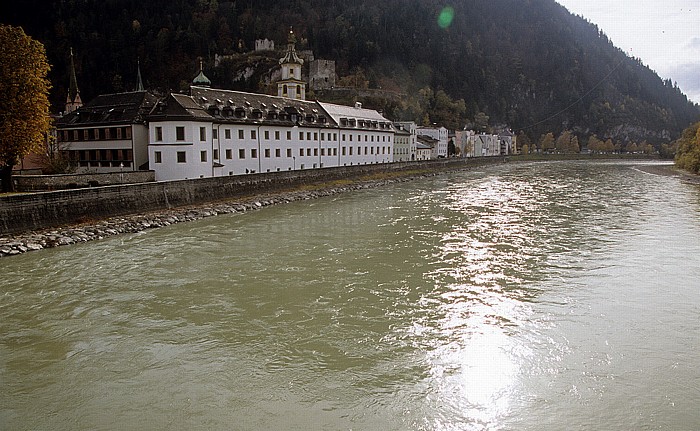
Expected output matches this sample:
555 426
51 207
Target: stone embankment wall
34 183
25 212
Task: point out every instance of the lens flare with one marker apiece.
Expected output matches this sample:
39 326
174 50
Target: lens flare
446 16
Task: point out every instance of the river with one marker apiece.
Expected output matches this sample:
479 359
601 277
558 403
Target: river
521 296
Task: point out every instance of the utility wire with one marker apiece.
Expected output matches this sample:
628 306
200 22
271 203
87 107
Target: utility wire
579 99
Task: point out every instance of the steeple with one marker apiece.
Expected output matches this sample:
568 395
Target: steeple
291 85
139 82
201 80
73 100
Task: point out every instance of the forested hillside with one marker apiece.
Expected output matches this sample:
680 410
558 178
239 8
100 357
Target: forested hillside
528 64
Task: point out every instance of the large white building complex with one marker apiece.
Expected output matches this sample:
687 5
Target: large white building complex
215 132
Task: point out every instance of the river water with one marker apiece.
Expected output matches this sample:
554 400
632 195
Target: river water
522 296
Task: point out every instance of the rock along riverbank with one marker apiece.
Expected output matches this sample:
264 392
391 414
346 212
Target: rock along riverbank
12 245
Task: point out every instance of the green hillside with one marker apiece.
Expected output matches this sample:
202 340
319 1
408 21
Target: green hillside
527 64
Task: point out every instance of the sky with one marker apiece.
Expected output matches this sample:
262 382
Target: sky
664 35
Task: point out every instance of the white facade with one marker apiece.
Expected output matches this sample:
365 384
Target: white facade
365 136
243 133
176 150
439 133
486 145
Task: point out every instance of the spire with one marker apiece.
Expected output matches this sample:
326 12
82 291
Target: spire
201 80
139 82
73 100
291 54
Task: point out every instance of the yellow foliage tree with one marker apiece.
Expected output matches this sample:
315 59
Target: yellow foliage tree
688 153
24 103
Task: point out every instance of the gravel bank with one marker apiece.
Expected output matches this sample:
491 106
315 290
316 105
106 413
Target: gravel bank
12 245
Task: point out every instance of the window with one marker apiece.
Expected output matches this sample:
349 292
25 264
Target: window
301 152
240 134
254 153
216 154
159 134
181 157
229 154
277 152
202 133
308 136
85 135
253 135
323 151
308 151
289 136
315 136
119 133
289 152
351 137
301 136
214 134
267 134
343 151
277 135
227 133
267 153
241 153
203 155
323 136
179 133
315 151
158 157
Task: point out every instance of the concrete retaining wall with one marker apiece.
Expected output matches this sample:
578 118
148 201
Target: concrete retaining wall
24 212
33 183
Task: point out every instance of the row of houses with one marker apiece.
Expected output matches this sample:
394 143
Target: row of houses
215 132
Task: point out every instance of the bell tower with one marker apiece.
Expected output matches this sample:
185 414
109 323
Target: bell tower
291 84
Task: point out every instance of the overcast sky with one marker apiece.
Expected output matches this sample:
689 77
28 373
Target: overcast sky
665 35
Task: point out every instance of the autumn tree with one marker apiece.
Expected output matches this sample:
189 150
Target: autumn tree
688 153
546 142
523 142
24 104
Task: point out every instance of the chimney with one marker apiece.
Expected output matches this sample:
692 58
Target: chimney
358 105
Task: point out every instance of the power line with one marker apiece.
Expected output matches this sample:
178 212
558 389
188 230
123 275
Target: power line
578 100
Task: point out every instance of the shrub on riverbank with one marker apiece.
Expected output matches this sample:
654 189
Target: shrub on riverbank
688 153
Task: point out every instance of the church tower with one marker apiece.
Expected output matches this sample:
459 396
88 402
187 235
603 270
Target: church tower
201 80
291 85
73 100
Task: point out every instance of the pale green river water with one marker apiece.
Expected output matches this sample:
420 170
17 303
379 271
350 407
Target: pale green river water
522 296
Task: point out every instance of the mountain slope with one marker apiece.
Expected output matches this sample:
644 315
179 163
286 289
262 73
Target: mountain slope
528 64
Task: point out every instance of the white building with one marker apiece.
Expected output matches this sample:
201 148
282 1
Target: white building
439 133
486 145
214 132
365 136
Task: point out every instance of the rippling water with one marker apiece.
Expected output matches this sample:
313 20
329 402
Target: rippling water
519 297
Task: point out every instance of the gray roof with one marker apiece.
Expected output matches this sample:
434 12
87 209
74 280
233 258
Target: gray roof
106 109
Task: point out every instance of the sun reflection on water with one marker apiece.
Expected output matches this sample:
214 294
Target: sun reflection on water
486 255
